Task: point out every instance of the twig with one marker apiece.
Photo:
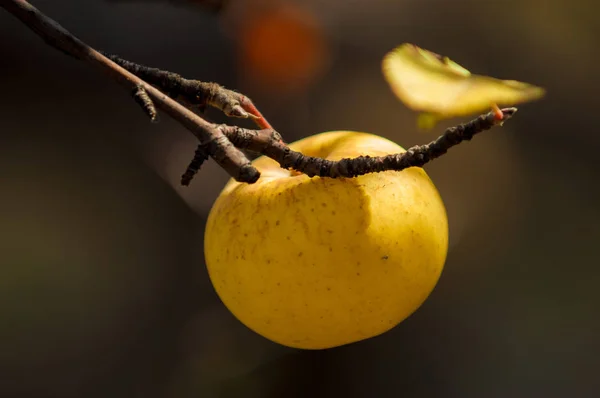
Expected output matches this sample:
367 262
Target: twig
268 143
223 142
217 145
141 97
195 92
199 157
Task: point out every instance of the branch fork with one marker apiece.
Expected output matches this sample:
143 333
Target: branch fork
154 89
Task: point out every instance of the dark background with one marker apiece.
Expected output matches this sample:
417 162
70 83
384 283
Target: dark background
103 289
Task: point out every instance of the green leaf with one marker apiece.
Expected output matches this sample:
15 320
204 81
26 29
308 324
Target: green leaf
439 88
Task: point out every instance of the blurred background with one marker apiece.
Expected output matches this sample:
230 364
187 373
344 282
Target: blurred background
103 288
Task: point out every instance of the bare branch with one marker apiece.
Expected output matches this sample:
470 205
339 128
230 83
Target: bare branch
195 92
217 145
268 142
223 142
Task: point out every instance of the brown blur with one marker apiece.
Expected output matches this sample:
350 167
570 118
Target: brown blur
103 290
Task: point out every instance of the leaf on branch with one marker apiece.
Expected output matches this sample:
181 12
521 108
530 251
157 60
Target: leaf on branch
439 88
224 143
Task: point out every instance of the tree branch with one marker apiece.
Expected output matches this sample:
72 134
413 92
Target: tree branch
223 142
195 92
268 142
218 146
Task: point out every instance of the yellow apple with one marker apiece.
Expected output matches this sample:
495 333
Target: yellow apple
315 263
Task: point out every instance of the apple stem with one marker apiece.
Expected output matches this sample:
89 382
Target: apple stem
223 143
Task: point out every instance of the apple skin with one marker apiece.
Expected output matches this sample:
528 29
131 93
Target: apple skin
315 263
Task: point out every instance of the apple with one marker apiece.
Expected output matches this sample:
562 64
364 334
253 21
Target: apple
315 263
